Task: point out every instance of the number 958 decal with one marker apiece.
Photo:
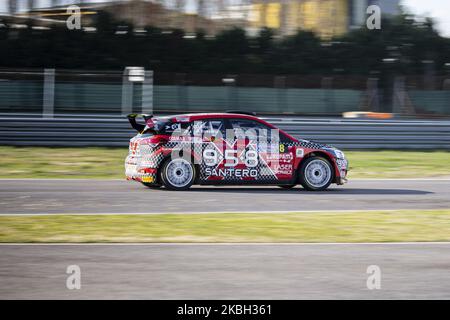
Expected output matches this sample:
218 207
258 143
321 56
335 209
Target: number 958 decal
212 158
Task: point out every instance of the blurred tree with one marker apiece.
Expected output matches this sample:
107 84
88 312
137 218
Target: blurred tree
265 40
115 44
232 42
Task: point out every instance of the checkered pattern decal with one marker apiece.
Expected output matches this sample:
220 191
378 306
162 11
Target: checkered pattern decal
140 157
268 169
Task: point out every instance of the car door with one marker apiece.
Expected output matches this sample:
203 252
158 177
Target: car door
209 146
262 151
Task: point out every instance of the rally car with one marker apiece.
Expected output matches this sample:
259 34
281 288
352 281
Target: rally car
227 149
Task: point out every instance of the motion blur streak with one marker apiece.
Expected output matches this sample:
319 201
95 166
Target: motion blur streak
321 271
105 196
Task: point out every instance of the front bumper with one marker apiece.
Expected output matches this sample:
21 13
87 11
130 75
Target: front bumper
342 166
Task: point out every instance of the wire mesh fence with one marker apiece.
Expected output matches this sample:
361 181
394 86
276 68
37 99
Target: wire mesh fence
112 92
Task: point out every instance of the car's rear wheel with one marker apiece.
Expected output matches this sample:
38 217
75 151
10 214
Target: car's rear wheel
316 174
177 174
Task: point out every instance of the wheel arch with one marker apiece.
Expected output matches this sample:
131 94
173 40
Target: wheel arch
323 154
168 156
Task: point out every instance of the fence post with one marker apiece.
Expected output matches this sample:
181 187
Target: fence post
280 86
127 93
373 103
446 88
147 93
182 95
230 84
429 74
401 102
398 99
48 108
327 86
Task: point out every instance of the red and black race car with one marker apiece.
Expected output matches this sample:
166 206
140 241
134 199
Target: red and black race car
227 149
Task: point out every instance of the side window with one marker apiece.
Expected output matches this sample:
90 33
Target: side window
215 127
212 128
263 133
285 139
251 129
172 127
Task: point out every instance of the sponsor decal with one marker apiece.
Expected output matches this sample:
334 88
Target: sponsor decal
179 138
281 157
147 179
300 153
211 157
173 127
231 173
285 169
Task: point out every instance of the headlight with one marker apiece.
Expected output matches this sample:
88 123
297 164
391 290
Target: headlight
339 154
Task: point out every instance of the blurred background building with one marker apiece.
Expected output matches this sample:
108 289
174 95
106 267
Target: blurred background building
327 18
257 55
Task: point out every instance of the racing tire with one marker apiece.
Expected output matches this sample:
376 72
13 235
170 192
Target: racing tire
316 174
177 174
287 186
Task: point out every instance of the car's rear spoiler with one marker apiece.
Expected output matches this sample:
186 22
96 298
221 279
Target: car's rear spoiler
137 126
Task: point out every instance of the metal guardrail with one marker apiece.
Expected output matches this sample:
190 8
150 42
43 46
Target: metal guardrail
112 131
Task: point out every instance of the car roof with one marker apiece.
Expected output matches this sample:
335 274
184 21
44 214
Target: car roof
189 117
202 116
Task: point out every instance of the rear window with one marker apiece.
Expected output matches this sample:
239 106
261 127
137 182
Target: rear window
209 127
165 126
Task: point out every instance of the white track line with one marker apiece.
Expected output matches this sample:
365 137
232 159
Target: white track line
209 212
232 244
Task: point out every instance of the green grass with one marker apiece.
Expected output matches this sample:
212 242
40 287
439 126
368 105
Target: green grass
380 226
398 164
66 163
40 162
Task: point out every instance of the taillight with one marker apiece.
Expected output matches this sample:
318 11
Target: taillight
134 147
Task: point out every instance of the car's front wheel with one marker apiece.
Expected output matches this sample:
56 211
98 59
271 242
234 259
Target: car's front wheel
177 174
316 174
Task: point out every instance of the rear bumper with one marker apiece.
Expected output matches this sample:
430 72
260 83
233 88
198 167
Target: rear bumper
135 171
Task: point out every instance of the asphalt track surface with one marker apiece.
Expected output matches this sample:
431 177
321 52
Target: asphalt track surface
222 271
117 196
244 271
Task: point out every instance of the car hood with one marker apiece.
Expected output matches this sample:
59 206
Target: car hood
314 144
